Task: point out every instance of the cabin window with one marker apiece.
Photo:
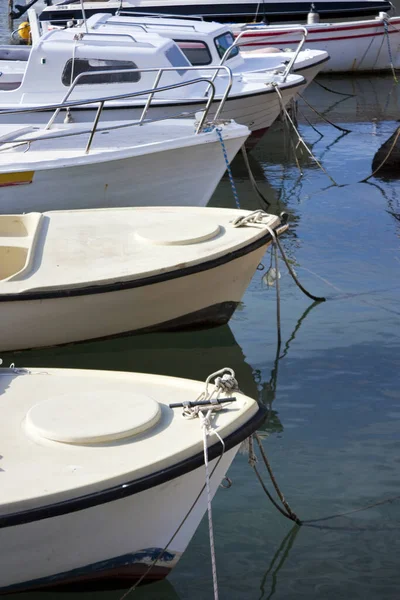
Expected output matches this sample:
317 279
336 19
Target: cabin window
91 65
197 53
225 41
177 59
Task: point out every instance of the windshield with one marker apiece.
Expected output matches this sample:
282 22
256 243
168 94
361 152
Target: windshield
225 41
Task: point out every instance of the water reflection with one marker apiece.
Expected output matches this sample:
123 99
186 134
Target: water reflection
268 387
189 354
163 590
269 582
351 99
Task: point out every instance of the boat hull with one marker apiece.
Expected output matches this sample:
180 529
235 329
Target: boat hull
353 47
257 111
226 11
114 542
205 297
186 176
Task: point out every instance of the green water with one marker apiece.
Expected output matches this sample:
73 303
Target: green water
333 436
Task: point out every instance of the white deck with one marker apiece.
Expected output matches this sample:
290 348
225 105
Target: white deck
58 149
37 471
83 248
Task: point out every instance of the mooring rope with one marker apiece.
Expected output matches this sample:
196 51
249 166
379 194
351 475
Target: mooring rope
288 513
206 426
385 27
334 91
228 167
301 140
323 117
290 269
252 178
225 382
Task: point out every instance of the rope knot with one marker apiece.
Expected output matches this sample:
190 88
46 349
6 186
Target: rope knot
226 383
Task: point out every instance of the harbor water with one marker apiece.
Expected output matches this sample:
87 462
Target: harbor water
332 388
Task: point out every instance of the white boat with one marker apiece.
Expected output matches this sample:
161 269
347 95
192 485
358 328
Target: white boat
169 162
69 276
103 482
213 44
220 10
354 46
78 65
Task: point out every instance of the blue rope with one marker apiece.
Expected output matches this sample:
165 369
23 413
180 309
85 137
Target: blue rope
385 25
228 167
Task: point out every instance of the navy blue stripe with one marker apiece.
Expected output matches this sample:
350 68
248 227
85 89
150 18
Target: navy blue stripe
138 485
130 284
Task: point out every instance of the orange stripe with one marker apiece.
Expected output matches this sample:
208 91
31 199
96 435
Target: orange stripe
22 178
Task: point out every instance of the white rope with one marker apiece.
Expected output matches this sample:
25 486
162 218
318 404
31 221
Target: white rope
225 382
206 426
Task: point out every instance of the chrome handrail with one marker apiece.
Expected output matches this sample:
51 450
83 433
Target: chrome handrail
146 25
79 36
238 42
157 79
159 15
102 100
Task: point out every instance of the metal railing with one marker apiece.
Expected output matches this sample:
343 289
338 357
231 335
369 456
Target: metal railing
158 15
159 72
101 101
82 34
146 24
238 42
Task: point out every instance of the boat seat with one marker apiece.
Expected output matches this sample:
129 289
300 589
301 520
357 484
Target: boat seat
18 237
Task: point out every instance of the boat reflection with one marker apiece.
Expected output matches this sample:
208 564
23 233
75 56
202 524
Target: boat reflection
188 354
364 98
162 589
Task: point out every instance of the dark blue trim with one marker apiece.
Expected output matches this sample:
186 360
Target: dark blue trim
127 285
130 488
103 568
273 11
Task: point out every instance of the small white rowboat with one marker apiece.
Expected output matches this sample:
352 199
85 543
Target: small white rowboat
69 276
103 482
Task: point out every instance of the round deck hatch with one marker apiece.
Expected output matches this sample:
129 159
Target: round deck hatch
93 417
176 231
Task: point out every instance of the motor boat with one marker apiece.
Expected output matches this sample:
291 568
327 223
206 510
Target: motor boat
100 164
353 46
73 65
205 44
222 10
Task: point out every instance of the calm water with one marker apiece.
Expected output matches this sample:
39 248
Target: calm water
333 437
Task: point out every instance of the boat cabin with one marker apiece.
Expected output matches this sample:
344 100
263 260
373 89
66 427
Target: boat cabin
111 63
202 43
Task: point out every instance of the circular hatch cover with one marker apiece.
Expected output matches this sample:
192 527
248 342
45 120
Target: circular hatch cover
93 417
